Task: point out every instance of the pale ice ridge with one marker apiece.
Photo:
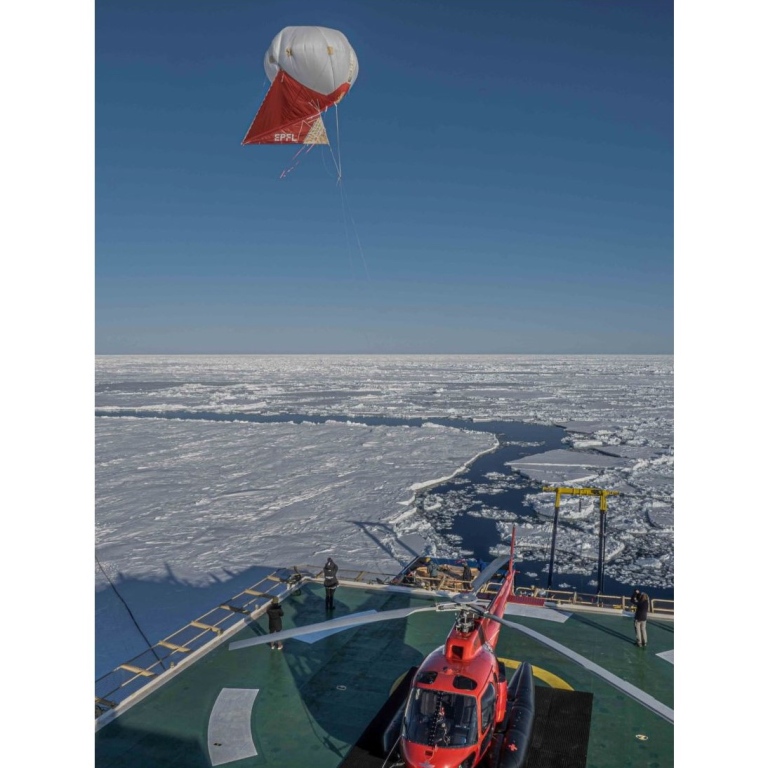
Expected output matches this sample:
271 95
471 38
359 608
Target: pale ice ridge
626 399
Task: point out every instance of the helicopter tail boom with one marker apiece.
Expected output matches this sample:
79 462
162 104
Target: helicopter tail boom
490 626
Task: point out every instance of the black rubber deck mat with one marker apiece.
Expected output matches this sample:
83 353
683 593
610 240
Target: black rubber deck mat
560 729
368 752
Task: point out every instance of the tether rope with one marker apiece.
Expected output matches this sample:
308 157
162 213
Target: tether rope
130 612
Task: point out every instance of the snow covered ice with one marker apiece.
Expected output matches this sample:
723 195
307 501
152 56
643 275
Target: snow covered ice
198 497
190 501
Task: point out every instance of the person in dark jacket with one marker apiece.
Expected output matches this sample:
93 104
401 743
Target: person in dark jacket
330 582
466 577
275 614
641 601
432 570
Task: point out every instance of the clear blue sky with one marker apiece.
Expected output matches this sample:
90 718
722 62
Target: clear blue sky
507 181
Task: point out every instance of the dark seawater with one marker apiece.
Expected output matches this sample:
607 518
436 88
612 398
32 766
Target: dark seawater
465 494
474 490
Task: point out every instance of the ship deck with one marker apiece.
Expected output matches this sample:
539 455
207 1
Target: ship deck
308 704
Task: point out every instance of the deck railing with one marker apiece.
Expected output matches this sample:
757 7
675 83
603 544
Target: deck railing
129 678
617 602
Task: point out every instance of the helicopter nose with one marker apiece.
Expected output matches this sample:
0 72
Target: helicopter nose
422 756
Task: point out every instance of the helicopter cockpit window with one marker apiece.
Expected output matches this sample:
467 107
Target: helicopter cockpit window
488 705
427 678
440 719
464 683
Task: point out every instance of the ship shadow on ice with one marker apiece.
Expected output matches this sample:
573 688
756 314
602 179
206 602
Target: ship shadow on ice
384 536
132 613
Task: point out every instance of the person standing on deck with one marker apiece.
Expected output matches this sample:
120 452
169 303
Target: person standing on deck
466 577
330 569
641 601
432 570
275 613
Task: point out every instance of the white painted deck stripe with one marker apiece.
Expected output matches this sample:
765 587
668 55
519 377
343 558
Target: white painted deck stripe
229 726
654 705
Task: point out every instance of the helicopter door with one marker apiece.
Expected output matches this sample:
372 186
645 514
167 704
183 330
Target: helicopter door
487 712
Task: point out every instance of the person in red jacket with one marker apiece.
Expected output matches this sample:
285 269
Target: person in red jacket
641 601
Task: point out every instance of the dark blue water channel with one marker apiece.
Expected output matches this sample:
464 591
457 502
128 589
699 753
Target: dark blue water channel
468 492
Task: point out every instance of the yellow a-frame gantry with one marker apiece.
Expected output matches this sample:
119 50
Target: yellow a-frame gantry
603 494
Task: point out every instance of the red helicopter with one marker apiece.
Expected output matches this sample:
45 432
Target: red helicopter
460 703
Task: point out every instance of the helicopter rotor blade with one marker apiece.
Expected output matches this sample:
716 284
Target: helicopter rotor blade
345 622
470 599
655 706
460 600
